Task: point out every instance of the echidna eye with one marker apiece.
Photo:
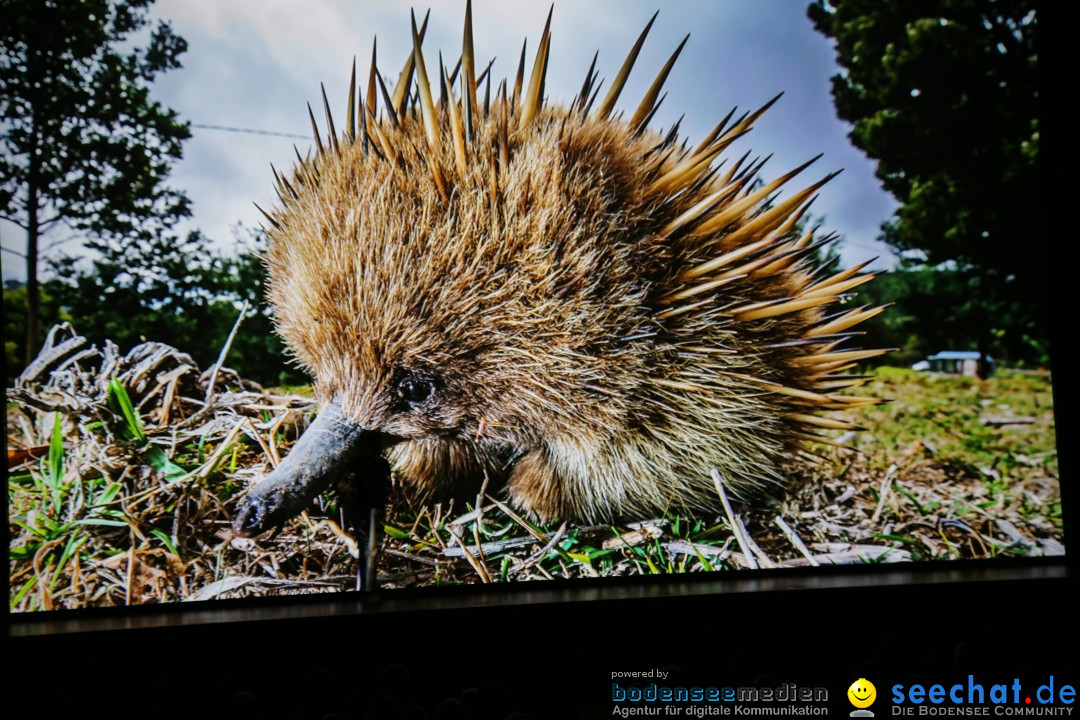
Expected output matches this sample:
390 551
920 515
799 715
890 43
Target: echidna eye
416 390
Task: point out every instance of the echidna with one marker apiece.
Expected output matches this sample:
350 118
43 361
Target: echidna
554 298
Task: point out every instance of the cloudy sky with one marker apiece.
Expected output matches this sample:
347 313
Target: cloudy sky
255 63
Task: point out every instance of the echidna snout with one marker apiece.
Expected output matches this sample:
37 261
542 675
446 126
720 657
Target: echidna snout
553 299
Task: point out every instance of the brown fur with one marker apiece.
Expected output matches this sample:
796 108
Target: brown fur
537 296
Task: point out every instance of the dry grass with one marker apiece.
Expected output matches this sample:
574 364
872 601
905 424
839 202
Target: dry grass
122 493
127 508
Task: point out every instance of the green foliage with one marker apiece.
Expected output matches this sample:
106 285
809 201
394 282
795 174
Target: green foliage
257 353
81 106
83 145
132 430
943 308
55 475
177 291
945 98
120 403
15 324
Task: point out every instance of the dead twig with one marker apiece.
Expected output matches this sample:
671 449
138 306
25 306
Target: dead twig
736 527
795 540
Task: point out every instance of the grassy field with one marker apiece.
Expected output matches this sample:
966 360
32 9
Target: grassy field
125 496
951 468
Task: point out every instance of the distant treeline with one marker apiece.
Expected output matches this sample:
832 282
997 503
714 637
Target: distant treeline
173 290
946 308
179 291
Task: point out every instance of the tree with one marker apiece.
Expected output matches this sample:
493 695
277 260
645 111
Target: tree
945 97
939 308
15 324
83 144
177 291
258 352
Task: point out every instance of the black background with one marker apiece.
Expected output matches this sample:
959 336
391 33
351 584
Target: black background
555 660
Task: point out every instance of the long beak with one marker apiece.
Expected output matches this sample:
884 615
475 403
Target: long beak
324 453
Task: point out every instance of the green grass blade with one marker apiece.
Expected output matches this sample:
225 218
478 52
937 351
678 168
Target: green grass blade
31 528
108 494
27 586
122 401
23 552
396 533
21 479
161 462
165 540
702 559
73 544
638 552
911 497
56 461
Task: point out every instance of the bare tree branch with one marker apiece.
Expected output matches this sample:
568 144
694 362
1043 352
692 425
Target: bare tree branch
13 221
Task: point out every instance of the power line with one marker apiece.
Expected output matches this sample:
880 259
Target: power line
250 131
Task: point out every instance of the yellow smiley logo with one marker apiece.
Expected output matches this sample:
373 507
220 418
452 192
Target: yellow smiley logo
862 693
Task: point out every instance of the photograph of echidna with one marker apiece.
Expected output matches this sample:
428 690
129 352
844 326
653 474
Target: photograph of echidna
328 297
